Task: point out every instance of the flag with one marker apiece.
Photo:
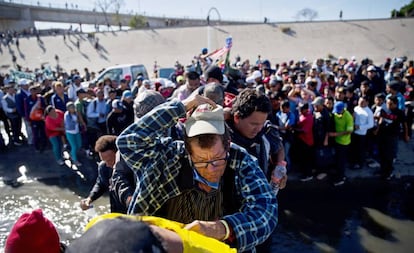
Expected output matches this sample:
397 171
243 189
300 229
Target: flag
218 53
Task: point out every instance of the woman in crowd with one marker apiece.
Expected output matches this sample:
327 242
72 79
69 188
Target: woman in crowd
54 131
73 135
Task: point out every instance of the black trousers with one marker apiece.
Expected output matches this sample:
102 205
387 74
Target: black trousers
16 126
6 122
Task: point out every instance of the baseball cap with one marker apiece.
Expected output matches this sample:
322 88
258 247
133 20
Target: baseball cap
205 120
146 101
140 78
127 94
256 74
23 81
76 77
117 104
70 104
339 106
32 232
127 77
318 101
371 68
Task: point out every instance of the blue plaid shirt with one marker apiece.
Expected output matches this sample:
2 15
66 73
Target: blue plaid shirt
155 160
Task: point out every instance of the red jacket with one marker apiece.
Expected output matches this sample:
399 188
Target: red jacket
51 124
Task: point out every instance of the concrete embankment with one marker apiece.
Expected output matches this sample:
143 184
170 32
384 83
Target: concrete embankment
376 39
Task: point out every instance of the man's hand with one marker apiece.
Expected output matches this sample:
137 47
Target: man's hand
283 182
85 204
214 229
195 100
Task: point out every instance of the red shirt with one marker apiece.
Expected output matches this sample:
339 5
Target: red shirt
51 124
305 125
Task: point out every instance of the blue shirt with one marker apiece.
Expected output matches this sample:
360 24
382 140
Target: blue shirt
401 100
155 160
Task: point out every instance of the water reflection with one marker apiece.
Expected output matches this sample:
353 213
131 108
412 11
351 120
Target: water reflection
60 205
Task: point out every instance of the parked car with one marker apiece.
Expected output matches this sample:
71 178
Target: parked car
118 72
165 72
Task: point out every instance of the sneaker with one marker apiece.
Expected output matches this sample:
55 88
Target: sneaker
60 162
340 182
321 176
77 163
306 178
374 165
15 143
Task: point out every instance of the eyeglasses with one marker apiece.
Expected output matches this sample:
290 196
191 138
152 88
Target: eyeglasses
215 163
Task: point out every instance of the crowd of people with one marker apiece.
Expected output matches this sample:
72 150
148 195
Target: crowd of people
226 127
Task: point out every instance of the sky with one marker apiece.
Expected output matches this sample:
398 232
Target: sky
243 10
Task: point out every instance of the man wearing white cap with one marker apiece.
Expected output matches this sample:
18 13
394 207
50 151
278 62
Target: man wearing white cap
212 185
21 96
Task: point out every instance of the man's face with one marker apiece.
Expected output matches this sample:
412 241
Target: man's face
11 90
193 83
339 95
362 102
329 104
318 108
217 152
108 157
371 74
391 105
100 95
249 127
378 101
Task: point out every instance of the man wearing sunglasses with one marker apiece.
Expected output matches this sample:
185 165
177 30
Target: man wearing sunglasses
205 181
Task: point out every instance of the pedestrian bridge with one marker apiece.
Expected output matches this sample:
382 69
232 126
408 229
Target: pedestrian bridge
19 16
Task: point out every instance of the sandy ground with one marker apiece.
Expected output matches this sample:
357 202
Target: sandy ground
376 39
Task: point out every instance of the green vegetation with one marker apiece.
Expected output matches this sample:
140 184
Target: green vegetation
138 21
405 11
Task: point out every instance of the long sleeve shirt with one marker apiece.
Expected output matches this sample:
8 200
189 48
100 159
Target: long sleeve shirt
97 109
364 119
21 97
102 182
155 160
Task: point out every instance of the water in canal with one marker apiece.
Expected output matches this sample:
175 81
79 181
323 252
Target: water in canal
366 215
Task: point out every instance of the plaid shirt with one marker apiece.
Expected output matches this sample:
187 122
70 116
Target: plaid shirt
155 160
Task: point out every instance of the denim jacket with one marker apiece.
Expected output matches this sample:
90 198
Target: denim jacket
70 124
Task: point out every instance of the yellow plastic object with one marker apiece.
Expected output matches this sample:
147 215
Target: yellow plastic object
192 241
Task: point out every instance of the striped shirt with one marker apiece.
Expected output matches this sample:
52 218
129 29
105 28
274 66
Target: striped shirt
156 161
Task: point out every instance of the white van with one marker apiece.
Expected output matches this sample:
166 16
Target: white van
118 72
